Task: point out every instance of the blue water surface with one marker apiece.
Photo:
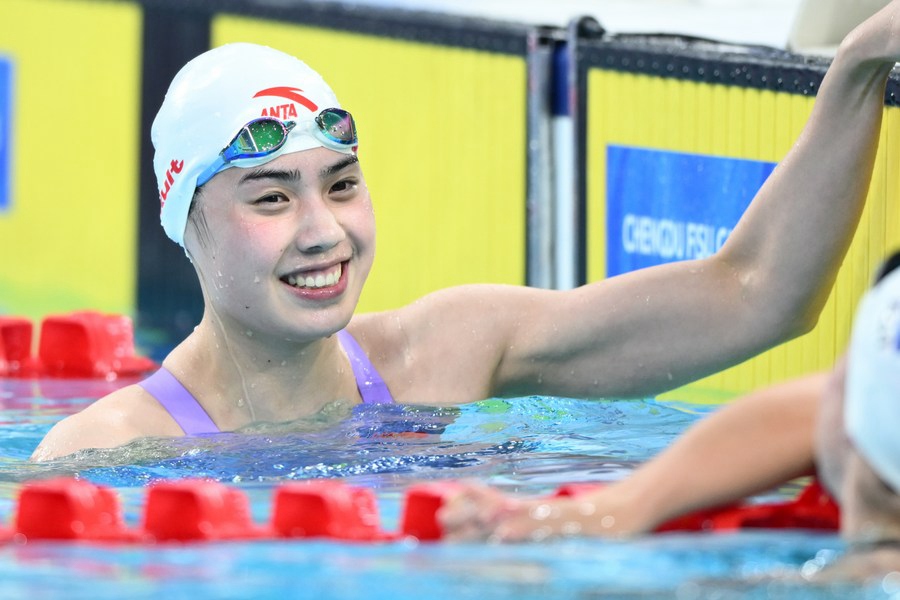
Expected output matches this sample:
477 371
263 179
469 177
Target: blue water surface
526 446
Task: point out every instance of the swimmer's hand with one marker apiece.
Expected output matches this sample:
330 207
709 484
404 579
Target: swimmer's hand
478 512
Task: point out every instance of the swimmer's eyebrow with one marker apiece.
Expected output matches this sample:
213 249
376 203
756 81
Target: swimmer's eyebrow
293 175
290 176
341 164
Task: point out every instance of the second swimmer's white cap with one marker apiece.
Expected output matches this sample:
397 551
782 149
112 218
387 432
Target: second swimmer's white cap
872 393
208 102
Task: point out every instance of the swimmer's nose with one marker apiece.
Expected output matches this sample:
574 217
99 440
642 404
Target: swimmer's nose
319 229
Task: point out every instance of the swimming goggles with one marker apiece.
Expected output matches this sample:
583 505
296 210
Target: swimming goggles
333 127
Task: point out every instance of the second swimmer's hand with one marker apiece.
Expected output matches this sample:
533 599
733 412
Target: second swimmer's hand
478 512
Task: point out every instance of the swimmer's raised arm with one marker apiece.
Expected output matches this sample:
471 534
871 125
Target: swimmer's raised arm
657 328
753 444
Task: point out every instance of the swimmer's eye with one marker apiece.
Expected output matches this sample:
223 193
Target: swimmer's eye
270 199
345 187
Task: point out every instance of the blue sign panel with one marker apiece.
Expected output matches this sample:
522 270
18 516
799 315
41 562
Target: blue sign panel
5 130
669 206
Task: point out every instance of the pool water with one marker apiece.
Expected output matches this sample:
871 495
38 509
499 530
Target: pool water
526 445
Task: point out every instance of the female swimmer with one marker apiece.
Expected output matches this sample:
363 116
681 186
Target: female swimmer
275 215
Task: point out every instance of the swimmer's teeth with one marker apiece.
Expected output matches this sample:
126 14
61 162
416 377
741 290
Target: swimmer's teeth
319 281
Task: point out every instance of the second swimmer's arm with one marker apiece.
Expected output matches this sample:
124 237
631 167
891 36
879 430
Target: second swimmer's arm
755 443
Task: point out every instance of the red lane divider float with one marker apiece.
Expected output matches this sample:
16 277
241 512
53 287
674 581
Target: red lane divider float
193 510
423 501
15 346
327 508
84 344
67 509
813 508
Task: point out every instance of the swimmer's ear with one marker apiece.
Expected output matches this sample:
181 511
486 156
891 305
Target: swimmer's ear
891 263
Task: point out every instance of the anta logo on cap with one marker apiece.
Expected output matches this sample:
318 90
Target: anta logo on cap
175 167
284 111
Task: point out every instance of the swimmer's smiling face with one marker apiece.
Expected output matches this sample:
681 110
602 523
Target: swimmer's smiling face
284 248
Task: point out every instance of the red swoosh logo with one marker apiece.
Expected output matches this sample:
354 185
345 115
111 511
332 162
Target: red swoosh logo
291 93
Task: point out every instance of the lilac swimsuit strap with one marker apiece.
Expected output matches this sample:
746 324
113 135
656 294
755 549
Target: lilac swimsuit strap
371 386
180 403
188 413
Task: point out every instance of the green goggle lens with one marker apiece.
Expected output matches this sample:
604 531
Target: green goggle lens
258 138
337 125
263 136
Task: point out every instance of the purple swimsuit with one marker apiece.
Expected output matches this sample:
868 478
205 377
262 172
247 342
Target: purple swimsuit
191 417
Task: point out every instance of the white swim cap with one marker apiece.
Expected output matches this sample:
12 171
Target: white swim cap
211 99
872 402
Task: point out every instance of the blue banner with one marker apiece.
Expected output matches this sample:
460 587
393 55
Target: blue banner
5 130
669 206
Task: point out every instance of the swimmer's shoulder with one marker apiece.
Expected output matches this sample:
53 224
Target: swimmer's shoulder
492 311
388 335
114 420
451 339
485 303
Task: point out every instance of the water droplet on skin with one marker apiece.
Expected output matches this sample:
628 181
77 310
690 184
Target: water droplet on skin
283 363
256 279
587 508
541 512
607 521
218 273
249 333
571 528
240 401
